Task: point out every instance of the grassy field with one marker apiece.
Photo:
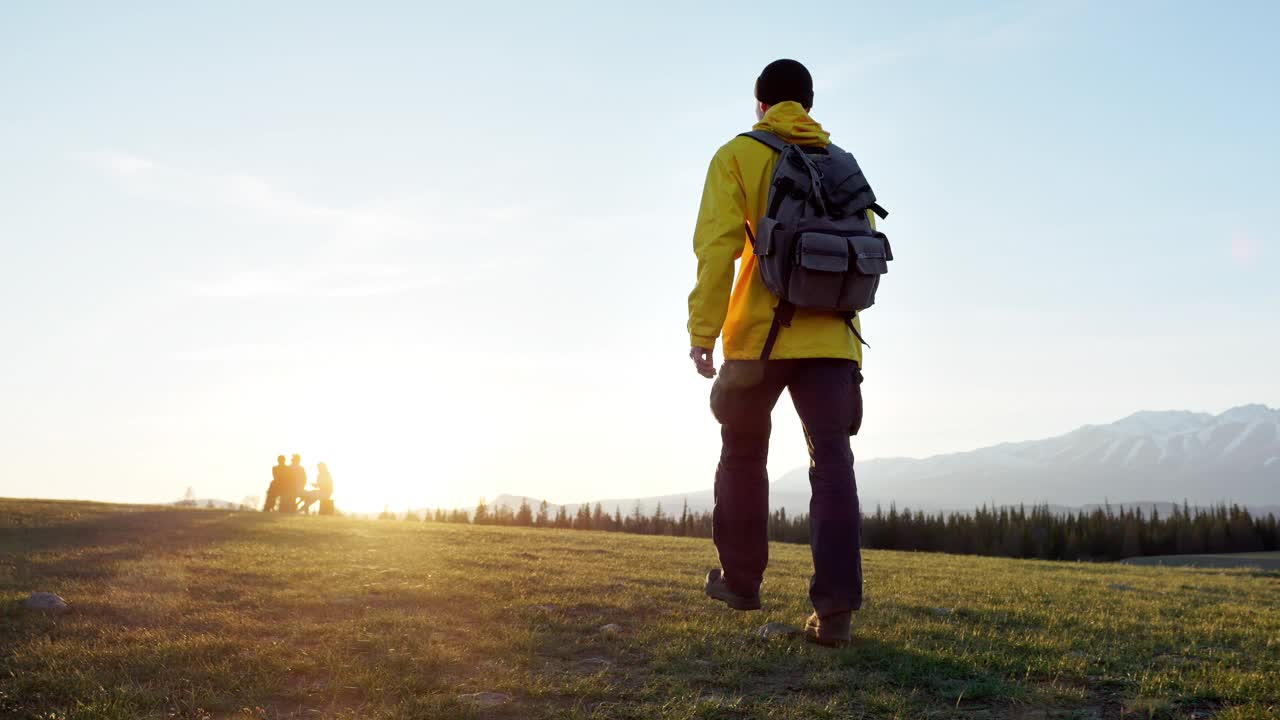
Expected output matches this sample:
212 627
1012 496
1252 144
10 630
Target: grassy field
208 614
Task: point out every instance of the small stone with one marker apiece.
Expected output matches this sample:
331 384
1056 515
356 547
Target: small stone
485 699
46 602
941 611
1121 586
344 601
776 630
612 630
594 664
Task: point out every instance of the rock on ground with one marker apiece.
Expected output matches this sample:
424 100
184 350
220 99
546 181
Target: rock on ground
612 630
593 665
777 630
485 699
47 602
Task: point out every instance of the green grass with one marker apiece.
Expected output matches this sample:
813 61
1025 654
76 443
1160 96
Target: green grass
207 614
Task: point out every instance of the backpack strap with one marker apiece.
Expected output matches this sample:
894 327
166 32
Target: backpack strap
782 315
848 320
767 138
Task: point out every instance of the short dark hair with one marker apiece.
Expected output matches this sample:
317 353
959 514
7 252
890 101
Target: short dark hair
783 80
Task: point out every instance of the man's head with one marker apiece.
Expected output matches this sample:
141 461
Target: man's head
279 459
780 81
297 459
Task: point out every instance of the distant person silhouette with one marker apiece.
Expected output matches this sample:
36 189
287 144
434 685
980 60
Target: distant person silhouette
280 477
817 357
324 482
323 490
295 487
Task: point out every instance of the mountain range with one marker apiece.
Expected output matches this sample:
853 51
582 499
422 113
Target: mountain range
1145 458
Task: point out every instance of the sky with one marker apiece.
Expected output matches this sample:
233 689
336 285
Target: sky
446 247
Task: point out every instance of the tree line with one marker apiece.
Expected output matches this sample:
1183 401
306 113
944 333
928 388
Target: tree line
1104 533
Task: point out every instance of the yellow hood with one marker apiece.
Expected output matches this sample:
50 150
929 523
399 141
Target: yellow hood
789 121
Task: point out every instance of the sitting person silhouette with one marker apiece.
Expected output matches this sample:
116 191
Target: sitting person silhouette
279 479
322 491
294 486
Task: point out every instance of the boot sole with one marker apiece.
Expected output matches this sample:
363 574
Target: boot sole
736 603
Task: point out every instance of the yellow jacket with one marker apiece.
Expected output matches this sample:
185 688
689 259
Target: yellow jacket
737 192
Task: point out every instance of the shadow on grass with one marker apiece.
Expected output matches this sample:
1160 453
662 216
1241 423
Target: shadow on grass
177 529
736 674
175 639
92 548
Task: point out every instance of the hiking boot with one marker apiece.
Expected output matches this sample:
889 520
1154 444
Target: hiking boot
718 589
831 631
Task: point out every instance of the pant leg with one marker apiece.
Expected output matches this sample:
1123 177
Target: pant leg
828 398
742 400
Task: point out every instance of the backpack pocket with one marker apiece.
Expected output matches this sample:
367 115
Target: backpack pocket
774 246
762 243
844 186
817 277
870 255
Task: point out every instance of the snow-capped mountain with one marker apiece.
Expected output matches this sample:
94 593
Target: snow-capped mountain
1148 456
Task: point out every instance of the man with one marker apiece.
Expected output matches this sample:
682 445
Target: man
279 480
817 357
295 487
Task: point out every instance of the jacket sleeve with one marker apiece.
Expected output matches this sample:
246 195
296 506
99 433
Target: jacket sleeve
718 241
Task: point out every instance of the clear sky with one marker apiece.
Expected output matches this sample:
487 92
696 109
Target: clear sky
446 247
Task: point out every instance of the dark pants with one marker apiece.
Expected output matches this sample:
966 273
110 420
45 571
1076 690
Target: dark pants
827 396
273 495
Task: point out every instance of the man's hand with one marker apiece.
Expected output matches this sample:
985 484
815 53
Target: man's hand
704 361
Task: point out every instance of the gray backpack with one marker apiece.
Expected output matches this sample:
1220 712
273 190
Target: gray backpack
815 244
